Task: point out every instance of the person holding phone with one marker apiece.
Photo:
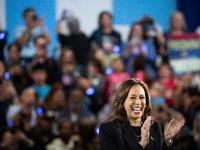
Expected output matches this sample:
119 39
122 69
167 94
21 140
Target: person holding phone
105 36
24 35
135 46
132 127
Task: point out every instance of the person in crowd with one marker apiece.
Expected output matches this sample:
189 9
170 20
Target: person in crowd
94 101
177 24
77 40
41 56
166 78
20 129
39 76
109 55
182 83
77 107
153 32
131 126
15 68
65 140
55 100
136 45
86 130
160 113
8 95
42 133
27 102
3 41
24 35
107 110
190 104
156 92
8 142
196 130
96 74
184 140
105 36
140 71
118 75
70 69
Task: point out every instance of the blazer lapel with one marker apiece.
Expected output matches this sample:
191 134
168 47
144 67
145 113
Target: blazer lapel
129 135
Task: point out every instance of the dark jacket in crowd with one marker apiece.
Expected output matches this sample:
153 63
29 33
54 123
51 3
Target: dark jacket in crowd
79 44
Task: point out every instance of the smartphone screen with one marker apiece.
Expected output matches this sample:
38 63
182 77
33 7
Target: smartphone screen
135 39
64 14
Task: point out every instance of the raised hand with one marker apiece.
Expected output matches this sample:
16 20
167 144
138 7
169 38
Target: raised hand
145 132
171 130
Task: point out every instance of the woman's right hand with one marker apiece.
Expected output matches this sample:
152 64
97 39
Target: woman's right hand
145 132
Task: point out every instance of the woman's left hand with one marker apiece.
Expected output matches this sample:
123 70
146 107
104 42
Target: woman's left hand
171 130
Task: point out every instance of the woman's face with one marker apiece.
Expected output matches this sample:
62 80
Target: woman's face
137 30
68 57
164 71
106 21
135 102
14 55
117 66
59 97
177 21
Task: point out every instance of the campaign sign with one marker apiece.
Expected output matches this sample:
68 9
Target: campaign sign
184 53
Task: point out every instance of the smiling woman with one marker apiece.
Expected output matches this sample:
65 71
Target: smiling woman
132 126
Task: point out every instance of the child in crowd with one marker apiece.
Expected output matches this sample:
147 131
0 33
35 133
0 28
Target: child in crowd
96 73
166 79
118 75
70 69
39 76
140 71
109 56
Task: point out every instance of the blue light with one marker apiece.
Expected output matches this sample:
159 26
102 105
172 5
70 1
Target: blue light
97 130
2 35
90 91
39 110
116 49
6 75
10 123
108 71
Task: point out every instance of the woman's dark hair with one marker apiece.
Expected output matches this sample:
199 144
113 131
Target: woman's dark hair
131 30
49 104
139 65
13 44
27 10
122 93
101 16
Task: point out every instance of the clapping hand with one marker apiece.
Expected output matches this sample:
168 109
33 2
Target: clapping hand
145 132
171 130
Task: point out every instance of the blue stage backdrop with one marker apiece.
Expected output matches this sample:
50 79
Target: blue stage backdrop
129 11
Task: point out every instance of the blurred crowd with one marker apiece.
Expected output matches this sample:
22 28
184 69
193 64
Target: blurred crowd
58 104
